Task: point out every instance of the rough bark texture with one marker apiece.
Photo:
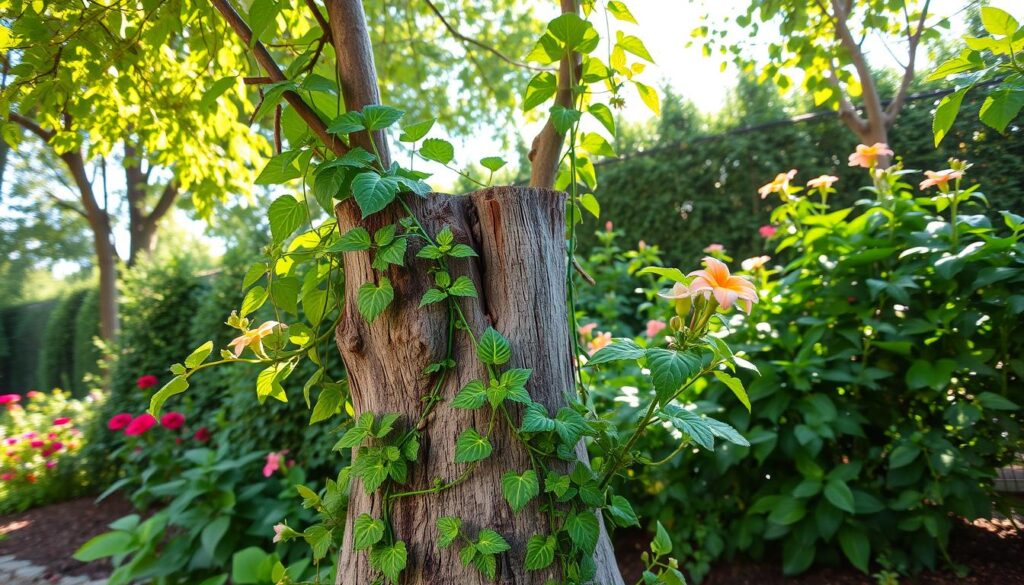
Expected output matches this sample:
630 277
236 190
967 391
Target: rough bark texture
520 276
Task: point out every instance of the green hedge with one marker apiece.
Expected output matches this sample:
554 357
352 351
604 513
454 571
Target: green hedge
685 195
23 329
57 360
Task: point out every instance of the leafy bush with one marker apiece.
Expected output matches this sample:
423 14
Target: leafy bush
686 190
40 453
218 516
57 362
889 350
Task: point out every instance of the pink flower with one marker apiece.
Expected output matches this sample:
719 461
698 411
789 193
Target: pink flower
9 398
12 441
712 248
940 179
780 184
147 381
33 394
202 435
140 425
278 529
61 421
119 421
587 329
756 263
654 327
727 289
172 420
608 226
29 435
7 476
867 156
37 444
767 231
51 464
822 182
273 463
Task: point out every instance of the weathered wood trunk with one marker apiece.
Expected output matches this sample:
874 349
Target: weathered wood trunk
520 276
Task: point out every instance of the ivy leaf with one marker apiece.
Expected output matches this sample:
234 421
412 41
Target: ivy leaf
856 546
662 544
492 163
367 531
620 11
690 424
574 33
356 239
286 214
668 370
392 253
736 386
390 560
622 512
632 44
620 348
372 300
486 564
946 113
604 115
471 446
461 251
327 403
540 552
437 150
563 118
281 168
413 132
536 420
490 542
649 96
472 396
433 295
380 117
570 426
540 89
520 489
1001 107
493 348
514 381
328 182
448 530
319 538
373 192
462 287
583 530
347 123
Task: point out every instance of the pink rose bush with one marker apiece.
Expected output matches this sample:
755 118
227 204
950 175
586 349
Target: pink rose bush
41 436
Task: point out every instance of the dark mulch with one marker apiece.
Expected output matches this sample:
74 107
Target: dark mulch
48 536
992 551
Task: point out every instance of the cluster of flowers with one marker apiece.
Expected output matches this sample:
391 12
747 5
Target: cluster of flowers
134 426
26 452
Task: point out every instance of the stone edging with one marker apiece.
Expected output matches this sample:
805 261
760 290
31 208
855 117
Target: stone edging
18 572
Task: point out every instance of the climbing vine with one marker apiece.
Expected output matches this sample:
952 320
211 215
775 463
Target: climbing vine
302 276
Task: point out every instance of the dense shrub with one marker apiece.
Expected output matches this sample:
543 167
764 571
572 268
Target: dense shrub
86 354
40 448
57 362
686 190
24 326
888 339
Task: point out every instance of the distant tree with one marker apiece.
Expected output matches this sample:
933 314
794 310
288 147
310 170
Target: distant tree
824 40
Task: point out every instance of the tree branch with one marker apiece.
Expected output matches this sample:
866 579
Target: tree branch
67 205
547 146
913 40
471 41
357 72
263 57
324 25
164 203
32 126
872 102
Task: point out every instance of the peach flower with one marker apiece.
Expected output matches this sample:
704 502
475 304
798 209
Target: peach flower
867 156
727 289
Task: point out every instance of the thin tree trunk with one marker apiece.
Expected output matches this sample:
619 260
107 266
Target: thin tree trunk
520 277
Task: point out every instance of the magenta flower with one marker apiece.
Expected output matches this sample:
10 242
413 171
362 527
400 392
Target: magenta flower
61 421
147 381
172 420
767 231
119 421
140 425
9 398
